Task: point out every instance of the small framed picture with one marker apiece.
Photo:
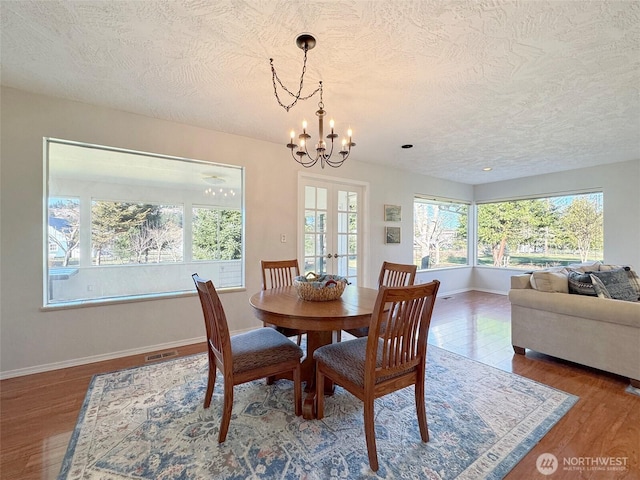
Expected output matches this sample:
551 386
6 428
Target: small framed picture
392 213
391 234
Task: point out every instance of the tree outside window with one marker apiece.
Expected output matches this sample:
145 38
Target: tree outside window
542 232
217 234
440 233
63 231
125 233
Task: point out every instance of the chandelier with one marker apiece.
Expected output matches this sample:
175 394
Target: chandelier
300 150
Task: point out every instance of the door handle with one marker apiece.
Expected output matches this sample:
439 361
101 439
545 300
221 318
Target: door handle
329 256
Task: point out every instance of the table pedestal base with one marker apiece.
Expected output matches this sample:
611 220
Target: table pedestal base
315 340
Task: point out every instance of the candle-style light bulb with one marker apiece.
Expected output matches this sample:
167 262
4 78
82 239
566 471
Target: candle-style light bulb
331 124
344 142
302 143
293 135
349 133
304 125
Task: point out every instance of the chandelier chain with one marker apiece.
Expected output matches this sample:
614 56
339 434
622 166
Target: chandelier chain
300 148
296 96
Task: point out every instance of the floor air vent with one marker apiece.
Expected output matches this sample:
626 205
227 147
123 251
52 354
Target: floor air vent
161 356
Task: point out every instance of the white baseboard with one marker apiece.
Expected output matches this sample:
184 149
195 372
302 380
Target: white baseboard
462 290
20 372
96 358
451 293
486 290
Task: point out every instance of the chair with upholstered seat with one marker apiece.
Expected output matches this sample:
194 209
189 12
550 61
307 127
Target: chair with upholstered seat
391 275
392 357
280 273
245 357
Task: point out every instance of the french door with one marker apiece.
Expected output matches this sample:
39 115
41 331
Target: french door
331 219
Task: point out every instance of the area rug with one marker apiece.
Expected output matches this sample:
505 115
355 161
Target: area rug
149 423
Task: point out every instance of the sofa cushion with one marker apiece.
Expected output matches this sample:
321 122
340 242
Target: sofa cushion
521 281
552 281
580 283
580 306
617 285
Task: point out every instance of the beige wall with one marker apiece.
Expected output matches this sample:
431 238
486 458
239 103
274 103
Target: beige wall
33 340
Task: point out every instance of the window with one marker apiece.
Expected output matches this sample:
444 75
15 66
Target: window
63 231
439 233
217 234
541 232
123 224
124 233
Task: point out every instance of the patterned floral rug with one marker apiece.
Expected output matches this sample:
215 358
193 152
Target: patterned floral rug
148 423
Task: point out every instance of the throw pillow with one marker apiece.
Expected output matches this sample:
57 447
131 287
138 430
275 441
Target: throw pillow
617 284
580 283
605 267
599 287
633 276
550 281
585 267
634 280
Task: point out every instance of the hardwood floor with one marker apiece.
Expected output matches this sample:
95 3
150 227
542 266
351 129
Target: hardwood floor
38 412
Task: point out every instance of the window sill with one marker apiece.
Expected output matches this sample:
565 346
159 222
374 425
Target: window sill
133 299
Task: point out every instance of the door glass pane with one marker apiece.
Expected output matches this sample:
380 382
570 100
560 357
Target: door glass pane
321 224
311 265
309 244
321 267
353 272
353 223
309 197
342 245
342 266
342 223
353 244
321 199
342 200
353 201
321 245
309 221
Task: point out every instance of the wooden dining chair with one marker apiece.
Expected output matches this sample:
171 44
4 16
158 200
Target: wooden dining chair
280 273
245 357
397 274
391 275
389 359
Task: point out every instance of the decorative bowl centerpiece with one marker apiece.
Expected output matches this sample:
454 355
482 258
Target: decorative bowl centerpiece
319 288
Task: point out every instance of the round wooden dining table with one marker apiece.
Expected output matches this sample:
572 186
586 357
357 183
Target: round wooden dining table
321 320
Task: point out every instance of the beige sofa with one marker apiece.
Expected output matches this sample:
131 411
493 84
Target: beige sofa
598 332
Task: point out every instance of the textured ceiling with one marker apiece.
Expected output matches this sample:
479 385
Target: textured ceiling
524 87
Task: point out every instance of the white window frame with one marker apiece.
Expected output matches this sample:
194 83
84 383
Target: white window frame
185 187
